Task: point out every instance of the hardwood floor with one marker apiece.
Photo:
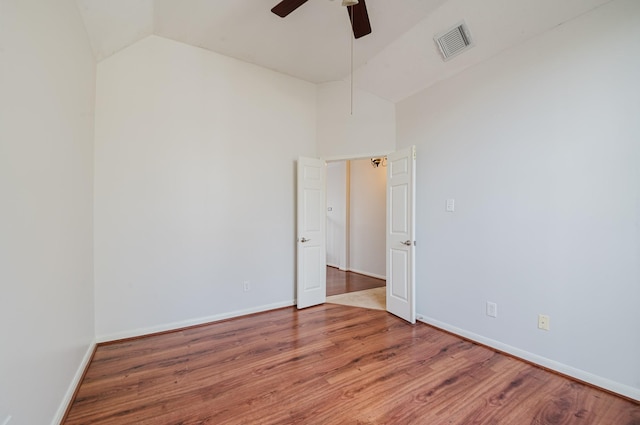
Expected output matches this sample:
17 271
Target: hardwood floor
340 282
328 364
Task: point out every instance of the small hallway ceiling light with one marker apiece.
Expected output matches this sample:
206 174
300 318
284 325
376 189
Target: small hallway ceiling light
349 2
376 162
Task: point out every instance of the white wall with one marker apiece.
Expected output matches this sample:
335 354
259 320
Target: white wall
337 216
194 186
367 229
371 130
540 148
46 177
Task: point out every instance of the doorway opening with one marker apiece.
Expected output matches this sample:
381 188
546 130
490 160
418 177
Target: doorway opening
311 217
356 232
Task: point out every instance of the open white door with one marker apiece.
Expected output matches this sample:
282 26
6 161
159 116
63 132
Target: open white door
311 272
401 234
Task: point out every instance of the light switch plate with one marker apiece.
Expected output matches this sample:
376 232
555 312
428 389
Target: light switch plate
492 309
451 205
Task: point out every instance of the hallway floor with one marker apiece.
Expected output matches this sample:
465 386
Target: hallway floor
341 282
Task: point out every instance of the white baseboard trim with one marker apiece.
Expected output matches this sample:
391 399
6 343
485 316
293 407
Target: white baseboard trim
75 382
191 322
598 381
377 276
338 266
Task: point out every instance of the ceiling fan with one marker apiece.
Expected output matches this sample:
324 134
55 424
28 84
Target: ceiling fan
357 10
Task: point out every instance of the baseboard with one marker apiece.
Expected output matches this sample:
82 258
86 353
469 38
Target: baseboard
376 276
191 322
337 266
581 375
74 385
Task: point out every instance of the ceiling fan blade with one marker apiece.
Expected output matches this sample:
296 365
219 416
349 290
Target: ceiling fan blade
360 19
285 7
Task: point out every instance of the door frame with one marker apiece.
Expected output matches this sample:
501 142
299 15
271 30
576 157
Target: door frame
358 157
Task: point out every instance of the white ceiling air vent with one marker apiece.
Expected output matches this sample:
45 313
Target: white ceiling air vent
454 41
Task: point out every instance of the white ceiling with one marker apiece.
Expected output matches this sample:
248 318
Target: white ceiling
313 43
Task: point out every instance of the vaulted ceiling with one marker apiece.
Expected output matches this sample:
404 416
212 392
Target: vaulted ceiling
313 43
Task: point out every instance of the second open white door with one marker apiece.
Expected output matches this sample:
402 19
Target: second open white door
311 274
401 234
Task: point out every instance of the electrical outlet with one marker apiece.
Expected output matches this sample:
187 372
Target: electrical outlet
7 420
246 286
543 322
492 309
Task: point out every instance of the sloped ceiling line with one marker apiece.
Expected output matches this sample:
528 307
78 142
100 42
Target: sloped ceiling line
396 60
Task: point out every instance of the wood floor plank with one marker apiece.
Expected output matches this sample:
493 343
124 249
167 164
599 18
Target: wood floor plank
328 364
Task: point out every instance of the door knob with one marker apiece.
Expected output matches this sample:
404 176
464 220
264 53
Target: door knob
407 243
303 240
